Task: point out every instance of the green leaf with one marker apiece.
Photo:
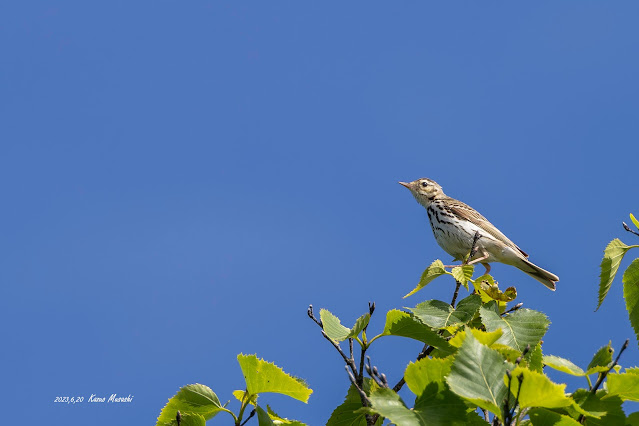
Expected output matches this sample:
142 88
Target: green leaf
543 417
613 254
399 323
563 365
535 359
438 314
333 327
520 328
360 324
279 420
488 289
477 374
625 385
335 330
187 419
633 418
634 220
631 294
240 395
601 360
346 415
194 399
262 376
594 403
420 374
263 419
537 390
435 270
485 338
463 274
438 406
388 404
507 352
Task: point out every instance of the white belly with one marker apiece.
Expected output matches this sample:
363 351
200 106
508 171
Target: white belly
457 241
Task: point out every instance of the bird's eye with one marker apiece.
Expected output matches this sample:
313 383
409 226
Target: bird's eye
424 184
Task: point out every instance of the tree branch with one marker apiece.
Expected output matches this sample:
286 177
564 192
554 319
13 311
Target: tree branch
627 228
249 417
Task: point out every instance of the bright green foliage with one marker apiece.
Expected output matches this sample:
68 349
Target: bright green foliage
438 406
336 331
477 374
489 290
262 376
596 403
613 254
189 419
263 419
520 328
601 360
537 390
625 385
633 419
631 294
563 365
534 358
388 404
196 400
485 338
543 417
634 220
333 327
435 403
240 395
348 414
435 270
360 324
425 371
399 323
269 417
463 274
438 314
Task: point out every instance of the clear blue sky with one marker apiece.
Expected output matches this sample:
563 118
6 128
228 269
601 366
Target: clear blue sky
180 180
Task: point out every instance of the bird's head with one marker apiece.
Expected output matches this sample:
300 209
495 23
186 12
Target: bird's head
424 190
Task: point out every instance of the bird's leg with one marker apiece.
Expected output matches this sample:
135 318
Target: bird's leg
487 266
484 256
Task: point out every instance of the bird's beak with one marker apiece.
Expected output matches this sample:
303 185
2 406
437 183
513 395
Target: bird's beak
407 185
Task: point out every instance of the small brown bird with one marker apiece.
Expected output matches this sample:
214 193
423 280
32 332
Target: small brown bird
455 224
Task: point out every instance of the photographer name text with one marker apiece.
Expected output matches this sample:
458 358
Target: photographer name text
94 399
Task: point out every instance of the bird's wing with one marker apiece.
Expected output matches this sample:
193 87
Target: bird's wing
468 213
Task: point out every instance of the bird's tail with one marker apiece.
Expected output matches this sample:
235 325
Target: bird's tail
546 278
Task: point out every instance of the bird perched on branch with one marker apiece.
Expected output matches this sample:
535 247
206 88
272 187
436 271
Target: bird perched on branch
455 224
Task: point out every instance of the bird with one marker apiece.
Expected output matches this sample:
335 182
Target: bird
455 225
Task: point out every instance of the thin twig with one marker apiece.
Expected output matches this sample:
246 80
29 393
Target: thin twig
360 376
249 417
349 362
372 371
627 228
456 293
514 308
365 401
473 247
309 311
350 348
